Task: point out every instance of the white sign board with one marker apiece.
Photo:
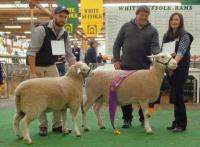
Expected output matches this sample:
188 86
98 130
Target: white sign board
58 47
116 16
169 47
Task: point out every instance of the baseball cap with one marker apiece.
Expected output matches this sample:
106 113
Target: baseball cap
60 9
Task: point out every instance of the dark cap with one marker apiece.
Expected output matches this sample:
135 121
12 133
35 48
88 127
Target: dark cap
60 9
143 8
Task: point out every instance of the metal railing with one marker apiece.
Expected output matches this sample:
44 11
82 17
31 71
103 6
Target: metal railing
13 74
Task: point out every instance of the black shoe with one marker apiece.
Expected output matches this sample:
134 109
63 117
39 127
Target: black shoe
127 124
178 129
43 131
59 130
170 128
174 124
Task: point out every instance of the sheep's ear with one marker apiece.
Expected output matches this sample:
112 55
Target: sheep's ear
153 56
78 70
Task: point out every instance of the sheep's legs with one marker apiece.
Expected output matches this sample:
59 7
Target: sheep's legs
74 112
86 107
27 119
144 106
97 108
64 123
17 119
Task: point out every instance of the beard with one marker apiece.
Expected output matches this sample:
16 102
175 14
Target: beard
59 24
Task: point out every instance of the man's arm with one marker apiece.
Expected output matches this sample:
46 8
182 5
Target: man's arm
31 61
117 48
68 52
37 38
118 44
155 47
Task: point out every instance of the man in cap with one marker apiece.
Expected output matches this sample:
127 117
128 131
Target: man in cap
137 39
44 39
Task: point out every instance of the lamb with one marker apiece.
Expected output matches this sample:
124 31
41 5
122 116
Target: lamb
139 87
35 96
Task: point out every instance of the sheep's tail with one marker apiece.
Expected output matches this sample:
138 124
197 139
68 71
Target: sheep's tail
17 103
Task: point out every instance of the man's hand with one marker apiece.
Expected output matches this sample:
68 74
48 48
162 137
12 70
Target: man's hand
117 65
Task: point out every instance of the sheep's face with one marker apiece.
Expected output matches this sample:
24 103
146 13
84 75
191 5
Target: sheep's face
82 69
165 60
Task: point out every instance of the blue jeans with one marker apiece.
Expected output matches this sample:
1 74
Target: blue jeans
61 69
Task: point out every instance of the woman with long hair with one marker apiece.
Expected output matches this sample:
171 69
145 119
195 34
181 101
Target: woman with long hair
176 32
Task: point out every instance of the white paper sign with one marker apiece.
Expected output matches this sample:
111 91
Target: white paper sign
58 47
169 47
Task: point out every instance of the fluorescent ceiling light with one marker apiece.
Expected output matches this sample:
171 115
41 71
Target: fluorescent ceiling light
45 5
7 6
20 5
54 5
138 4
14 6
100 39
13 27
7 32
26 18
27 32
21 36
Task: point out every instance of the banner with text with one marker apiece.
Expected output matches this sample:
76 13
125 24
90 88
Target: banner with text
159 16
72 20
92 17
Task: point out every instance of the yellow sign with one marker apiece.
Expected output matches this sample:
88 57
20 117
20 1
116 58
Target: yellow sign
92 17
69 27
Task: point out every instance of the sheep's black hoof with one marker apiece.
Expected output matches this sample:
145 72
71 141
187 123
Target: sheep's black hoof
70 131
103 127
79 135
149 133
65 133
86 130
19 137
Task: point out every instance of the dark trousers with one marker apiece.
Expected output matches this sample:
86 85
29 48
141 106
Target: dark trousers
177 82
128 109
61 69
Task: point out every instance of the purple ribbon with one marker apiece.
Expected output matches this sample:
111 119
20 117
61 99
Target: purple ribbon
113 94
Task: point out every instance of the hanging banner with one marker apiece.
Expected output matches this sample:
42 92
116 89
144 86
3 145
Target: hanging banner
190 2
72 21
92 17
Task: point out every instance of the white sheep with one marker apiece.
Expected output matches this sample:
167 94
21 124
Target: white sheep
139 87
35 96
